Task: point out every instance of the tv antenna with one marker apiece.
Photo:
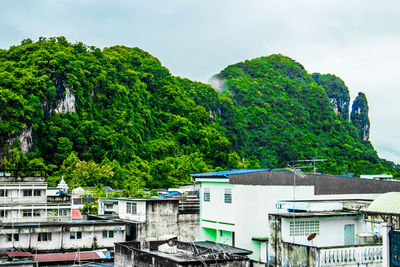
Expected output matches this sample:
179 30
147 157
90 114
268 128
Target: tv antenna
310 161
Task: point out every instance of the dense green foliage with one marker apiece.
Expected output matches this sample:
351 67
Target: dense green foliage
135 125
337 92
288 116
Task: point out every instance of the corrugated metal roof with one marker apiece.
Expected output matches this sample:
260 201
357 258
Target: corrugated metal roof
388 203
227 173
222 247
18 254
69 256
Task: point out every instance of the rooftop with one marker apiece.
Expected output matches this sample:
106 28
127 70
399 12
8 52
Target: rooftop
388 203
172 252
61 223
225 174
324 184
316 214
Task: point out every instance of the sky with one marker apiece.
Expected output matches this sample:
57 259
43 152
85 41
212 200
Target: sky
357 40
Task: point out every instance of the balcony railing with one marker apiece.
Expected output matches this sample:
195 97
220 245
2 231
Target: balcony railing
351 256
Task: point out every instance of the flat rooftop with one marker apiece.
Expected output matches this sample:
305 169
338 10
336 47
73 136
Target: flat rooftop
61 223
324 184
316 214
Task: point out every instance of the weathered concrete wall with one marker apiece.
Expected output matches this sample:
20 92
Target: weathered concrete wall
163 218
131 255
275 241
189 226
299 255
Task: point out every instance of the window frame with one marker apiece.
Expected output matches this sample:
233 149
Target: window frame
304 228
37 213
206 195
27 192
3 213
131 208
3 193
75 235
108 234
37 192
45 236
228 195
12 237
27 213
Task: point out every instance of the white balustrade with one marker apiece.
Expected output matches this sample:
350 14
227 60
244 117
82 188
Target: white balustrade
349 256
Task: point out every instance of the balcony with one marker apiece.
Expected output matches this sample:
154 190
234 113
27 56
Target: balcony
349 256
367 255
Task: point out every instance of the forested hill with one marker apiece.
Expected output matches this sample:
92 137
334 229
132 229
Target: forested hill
118 117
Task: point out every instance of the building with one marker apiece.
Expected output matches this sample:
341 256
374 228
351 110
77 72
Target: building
323 233
25 199
34 218
61 236
150 218
235 205
386 211
174 253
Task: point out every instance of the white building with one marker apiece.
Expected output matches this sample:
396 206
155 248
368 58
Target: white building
235 205
24 199
66 235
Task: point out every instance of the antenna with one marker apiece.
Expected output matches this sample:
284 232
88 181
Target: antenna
296 172
311 161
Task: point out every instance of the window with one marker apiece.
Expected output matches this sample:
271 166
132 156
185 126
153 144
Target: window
3 192
75 235
63 212
206 194
36 213
131 208
27 213
109 206
3 213
27 192
44 237
11 237
108 234
228 195
37 192
304 228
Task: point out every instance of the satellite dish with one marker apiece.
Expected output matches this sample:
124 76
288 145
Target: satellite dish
312 236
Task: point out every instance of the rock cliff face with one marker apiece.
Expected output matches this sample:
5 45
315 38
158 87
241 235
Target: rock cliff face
337 92
359 116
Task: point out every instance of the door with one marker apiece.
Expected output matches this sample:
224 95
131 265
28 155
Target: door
349 236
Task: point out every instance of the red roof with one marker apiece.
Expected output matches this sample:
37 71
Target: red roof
69 256
18 254
76 214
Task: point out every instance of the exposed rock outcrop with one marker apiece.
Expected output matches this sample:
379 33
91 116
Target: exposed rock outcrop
67 103
359 116
337 92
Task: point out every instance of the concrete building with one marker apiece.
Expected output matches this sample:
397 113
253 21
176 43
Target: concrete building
151 218
323 233
34 218
174 253
235 205
25 199
65 235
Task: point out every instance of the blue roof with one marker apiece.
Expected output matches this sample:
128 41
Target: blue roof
225 174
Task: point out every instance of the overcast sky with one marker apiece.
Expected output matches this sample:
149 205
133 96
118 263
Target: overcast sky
358 41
